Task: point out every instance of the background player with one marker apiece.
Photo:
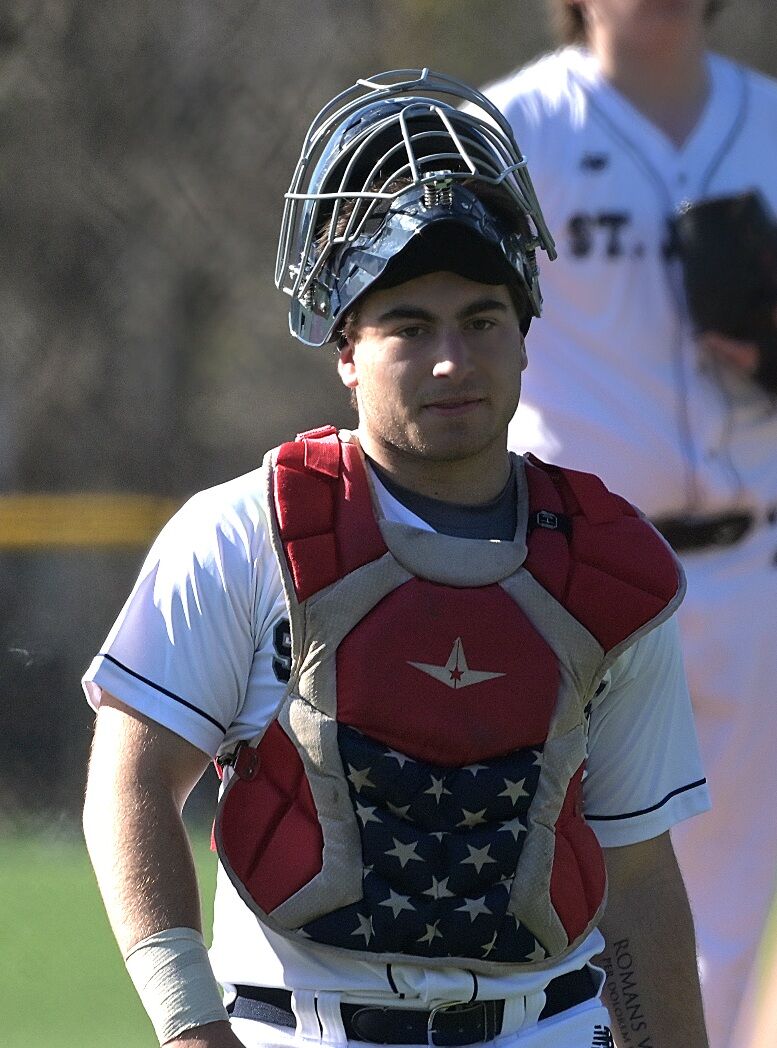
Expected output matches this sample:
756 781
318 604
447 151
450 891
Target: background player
404 857
622 129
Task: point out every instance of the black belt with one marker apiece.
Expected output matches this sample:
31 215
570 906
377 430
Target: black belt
689 533
459 1024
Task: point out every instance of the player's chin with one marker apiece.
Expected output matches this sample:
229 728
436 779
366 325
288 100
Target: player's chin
457 425
456 444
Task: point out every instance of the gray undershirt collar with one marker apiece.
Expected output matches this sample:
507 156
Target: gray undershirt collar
496 519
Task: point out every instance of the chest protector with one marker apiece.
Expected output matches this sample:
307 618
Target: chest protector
419 794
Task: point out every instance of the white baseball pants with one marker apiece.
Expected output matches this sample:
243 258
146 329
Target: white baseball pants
728 855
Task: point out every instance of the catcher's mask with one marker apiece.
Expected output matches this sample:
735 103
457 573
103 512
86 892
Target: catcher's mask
382 163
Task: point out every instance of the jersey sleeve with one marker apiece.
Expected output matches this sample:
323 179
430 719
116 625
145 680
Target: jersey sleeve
182 648
644 771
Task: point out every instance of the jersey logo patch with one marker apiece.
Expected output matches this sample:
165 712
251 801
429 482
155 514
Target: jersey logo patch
281 662
455 673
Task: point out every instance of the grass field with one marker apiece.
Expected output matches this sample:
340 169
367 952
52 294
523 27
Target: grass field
62 980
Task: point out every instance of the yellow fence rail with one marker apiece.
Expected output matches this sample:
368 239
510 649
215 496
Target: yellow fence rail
82 520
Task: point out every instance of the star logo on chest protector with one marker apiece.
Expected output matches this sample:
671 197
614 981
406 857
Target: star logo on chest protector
455 673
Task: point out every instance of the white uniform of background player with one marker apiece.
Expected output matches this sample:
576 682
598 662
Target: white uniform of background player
616 379
207 620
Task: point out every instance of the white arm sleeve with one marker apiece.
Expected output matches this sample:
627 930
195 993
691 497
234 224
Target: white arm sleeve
644 771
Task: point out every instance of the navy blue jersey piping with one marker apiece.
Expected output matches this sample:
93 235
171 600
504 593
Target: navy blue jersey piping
646 811
158 687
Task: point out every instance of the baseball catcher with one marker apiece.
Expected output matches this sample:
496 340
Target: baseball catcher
441 681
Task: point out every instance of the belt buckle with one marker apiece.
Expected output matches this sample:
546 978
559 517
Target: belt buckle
447 1006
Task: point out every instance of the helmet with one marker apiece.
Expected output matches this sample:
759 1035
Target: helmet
383 162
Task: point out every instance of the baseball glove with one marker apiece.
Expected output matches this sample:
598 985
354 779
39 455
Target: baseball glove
728 248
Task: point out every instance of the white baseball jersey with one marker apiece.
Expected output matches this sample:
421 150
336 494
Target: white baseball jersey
615 383
202 647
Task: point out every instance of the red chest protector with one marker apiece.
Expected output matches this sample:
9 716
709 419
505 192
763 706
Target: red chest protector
419 794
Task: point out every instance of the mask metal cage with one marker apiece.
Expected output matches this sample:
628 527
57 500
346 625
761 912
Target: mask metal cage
399 129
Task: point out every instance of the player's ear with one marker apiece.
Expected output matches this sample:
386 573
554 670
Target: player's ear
346 365
522 351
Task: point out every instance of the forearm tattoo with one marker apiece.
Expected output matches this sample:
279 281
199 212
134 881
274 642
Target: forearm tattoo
623 995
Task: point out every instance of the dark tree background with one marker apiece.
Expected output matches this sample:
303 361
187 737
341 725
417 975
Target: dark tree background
144 151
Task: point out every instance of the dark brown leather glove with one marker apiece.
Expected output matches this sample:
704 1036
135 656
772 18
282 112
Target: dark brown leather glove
728 248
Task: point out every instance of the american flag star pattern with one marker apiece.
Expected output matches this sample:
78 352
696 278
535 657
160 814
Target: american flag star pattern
439 851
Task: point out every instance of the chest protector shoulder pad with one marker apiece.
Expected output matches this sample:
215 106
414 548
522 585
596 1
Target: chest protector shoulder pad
418 796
